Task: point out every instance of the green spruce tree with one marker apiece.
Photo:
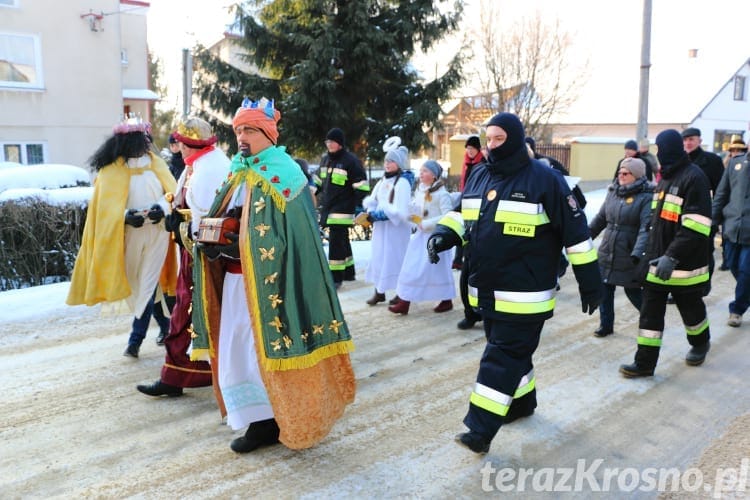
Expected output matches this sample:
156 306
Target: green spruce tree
336 63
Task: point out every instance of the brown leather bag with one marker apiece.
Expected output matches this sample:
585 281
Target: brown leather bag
212 229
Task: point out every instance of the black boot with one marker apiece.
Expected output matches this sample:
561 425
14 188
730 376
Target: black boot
697 354
474 441
644 364
263 433
159 388
603 331
160 338
132 351
465 324
634 371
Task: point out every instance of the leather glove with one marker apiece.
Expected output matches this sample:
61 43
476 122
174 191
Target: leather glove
232 250
664 267
590 300
172 221
433 244
589 286
213 251
155 213
209 250
133 218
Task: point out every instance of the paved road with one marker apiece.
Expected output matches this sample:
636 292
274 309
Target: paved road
73 424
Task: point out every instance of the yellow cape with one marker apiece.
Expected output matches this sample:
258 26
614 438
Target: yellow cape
99 271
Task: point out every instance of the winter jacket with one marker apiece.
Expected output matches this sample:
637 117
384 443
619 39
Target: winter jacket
344 186
710 164
624 217
731 205
520 214
681 224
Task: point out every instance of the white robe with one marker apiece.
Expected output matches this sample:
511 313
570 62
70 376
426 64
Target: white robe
391 237
145 246
419 279
242 389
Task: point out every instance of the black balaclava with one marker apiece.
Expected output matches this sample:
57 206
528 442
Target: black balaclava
516 135
670 150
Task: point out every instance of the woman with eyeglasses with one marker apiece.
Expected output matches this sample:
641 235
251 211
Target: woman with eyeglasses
623 219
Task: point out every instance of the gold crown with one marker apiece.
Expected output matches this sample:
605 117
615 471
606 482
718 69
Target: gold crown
190 133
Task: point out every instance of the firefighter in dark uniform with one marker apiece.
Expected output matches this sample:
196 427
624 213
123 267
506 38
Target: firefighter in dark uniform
344 187
520 214
677 257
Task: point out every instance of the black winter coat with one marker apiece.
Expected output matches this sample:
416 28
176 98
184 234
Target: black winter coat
624 217
710 164
681 218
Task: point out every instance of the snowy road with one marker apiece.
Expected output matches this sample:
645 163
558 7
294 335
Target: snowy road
74 426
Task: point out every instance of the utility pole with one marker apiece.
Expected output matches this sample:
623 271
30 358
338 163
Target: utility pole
187 81
642 126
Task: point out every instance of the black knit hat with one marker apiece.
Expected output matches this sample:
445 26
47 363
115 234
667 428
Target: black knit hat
690 132
632 145
473 141
670 149
336 135
514 130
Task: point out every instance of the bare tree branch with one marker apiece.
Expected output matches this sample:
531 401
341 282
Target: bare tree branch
527 67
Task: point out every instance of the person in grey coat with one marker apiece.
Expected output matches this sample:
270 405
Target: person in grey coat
730 208
624 219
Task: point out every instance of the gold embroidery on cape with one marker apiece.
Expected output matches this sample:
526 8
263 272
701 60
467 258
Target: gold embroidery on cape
318 329
262 229
335 325
266 254
259 205
275 300
271 278
276 323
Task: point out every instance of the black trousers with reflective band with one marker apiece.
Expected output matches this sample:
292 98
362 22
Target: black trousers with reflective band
506 359
340 249
690 305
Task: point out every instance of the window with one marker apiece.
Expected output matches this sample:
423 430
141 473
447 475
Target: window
739 88
124 57
20 61
722 139
27 153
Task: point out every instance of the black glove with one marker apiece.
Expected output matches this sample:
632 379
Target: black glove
155 213
664 267
172 221
213 251
712 234
209 250
590 287
590 301
232 250
434 245
133 218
